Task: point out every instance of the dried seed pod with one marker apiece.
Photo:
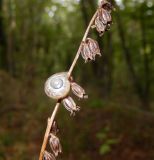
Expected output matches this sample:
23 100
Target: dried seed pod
78 90
48 156
100 26
86 52
104 16
106 5
55 144
70 105
54 128
94 47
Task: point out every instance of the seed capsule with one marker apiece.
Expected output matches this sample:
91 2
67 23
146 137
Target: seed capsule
100 26
70 105
78 90
55 144
90 49
94 47
106 5
86 52
104 16
48 156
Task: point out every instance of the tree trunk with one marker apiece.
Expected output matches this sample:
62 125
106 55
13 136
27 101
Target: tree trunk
127 53
145 60
3 45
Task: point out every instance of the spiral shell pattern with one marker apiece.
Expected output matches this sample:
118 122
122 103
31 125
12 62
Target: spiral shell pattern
57 86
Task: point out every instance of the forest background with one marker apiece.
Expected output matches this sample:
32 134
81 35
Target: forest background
39 38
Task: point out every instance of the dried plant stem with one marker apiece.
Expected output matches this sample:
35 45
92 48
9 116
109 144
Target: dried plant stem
79 50
49 125
51 119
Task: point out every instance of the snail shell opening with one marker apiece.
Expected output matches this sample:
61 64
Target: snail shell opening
57 86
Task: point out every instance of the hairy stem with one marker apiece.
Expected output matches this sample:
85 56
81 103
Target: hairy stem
49 125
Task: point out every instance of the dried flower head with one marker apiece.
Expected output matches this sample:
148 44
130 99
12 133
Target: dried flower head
90 49
48 156
104 16
100 26
94 47
106 5
86 52
55 144
70 105
78 90
55 128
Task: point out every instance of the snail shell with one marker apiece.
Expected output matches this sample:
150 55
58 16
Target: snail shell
57 86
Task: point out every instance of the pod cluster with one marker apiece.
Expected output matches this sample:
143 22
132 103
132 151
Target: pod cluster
54 143
69 103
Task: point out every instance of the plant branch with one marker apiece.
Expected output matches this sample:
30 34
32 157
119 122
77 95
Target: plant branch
49 125
79 50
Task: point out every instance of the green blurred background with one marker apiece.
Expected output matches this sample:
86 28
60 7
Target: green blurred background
39 38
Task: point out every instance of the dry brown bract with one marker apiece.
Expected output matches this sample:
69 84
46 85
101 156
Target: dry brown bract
48 156
90 49
70 105
55 128
55 144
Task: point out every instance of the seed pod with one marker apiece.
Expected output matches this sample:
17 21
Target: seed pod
106 5
86 52
48 156
54 128
94 47
78 90
70 105
104 16
100 26
55 144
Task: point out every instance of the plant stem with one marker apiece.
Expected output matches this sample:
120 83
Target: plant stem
49 125
51 119
79 50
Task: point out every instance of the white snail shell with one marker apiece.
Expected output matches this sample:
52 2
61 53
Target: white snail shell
57 86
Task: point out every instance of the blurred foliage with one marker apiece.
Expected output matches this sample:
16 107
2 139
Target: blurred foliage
41 37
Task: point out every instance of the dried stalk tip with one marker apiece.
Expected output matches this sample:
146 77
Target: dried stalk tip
70 105
90 49
55 144
103 19
55 128
106 5
78 90
48 156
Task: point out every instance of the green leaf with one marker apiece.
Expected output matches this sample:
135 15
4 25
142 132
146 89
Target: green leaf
104 149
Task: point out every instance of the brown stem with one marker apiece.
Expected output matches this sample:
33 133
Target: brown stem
49 125
50 121
79 50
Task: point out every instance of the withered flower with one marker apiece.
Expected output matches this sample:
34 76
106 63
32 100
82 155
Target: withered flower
94 47
55 144
90 49
104 16
70 105
54 128
48 156
106 5
100 26
78 90
86 52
